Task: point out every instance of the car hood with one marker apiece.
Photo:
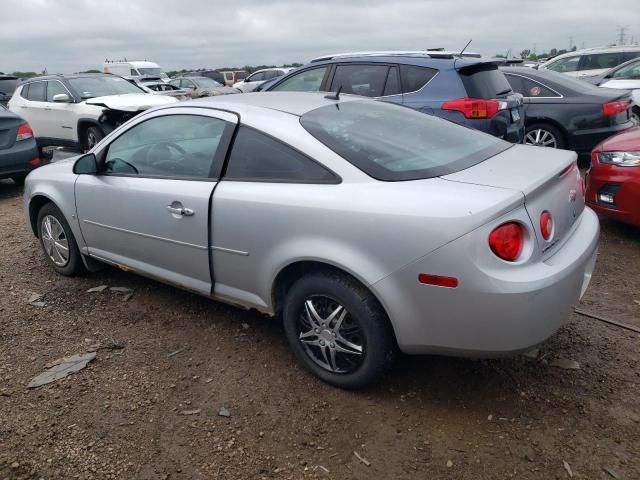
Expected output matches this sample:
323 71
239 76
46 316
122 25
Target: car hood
131 102
627 141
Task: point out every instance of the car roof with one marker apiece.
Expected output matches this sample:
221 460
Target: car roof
294 103
437 59
66 76
592 50
398 53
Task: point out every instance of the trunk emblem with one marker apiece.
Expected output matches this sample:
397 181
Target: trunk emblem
573 195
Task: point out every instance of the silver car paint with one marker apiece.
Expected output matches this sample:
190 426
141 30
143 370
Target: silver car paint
384 233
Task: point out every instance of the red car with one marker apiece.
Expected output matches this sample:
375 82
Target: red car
613 183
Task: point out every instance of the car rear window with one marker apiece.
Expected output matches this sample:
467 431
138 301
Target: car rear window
8 85
484 81
392 143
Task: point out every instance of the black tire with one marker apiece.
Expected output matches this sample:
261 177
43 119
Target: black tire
92 136
550 129
73 265
19 179
365 318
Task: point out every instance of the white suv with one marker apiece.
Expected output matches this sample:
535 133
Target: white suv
591 61
77 111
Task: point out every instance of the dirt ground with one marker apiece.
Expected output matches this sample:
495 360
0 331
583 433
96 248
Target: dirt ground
123 417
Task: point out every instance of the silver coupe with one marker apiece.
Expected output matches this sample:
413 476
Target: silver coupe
367 227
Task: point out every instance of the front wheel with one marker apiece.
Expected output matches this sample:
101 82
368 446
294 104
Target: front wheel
337 330
57 241
544 135
92 136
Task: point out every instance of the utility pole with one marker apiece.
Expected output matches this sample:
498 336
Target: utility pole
571 42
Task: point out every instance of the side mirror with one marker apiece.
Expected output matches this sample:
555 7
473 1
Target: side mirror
61 98
86 165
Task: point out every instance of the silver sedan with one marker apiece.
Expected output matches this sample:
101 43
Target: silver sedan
367 227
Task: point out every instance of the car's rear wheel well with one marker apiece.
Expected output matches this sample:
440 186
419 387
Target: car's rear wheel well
35 206
541 121
293 272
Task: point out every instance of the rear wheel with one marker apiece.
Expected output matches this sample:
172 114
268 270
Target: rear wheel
544 135
91 138
337 330
57 241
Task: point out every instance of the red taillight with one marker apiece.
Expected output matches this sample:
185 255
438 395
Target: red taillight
507 241
614 108
475 107
24 132
35 162
438 280
546 225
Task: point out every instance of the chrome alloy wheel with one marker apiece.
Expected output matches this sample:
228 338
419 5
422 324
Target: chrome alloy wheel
541 138
331 337
54 240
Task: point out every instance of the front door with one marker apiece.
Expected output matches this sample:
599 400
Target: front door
148 208
62 123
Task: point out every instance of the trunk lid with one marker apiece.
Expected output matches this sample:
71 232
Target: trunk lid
9 124
549 180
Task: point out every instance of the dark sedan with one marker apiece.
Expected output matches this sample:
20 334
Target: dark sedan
18 150
563 112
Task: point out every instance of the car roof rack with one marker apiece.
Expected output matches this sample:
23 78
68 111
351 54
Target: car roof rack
444 54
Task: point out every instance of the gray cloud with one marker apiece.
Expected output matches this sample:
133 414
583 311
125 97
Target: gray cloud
79 34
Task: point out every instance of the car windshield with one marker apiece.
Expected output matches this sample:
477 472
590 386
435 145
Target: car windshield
90 87
8 85
392 143
207 82
151 72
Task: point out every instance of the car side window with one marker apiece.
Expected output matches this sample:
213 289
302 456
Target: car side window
54 88
257 156
529 88
392 87
631 71
359 79
414 77
257 77
24 91
307 81
133 73
169 146
565 64
598 61
36 92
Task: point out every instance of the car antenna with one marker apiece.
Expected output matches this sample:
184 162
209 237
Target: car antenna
465 47
335 96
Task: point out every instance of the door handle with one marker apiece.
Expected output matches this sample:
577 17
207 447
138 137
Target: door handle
185 212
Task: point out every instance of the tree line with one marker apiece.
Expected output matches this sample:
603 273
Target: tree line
526 54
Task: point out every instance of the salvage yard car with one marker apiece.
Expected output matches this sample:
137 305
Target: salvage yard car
18 150
467 90
564 112
77 111
365 226
613 182
202 86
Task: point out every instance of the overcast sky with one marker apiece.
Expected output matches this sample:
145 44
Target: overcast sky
73 35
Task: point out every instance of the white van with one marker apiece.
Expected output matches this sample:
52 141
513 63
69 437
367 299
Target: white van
591 61
136 70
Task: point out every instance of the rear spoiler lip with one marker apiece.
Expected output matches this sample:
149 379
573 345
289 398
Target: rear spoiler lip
471 63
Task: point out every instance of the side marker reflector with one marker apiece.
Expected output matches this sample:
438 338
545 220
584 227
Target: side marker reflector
438 280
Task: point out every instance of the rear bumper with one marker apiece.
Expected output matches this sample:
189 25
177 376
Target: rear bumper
625 182
493 311
15 160
583 141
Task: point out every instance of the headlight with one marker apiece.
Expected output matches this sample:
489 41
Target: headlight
622 159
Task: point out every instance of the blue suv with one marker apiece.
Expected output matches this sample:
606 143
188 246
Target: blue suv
468 90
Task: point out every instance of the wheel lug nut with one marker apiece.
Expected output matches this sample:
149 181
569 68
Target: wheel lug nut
317 330
322 343
332 345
